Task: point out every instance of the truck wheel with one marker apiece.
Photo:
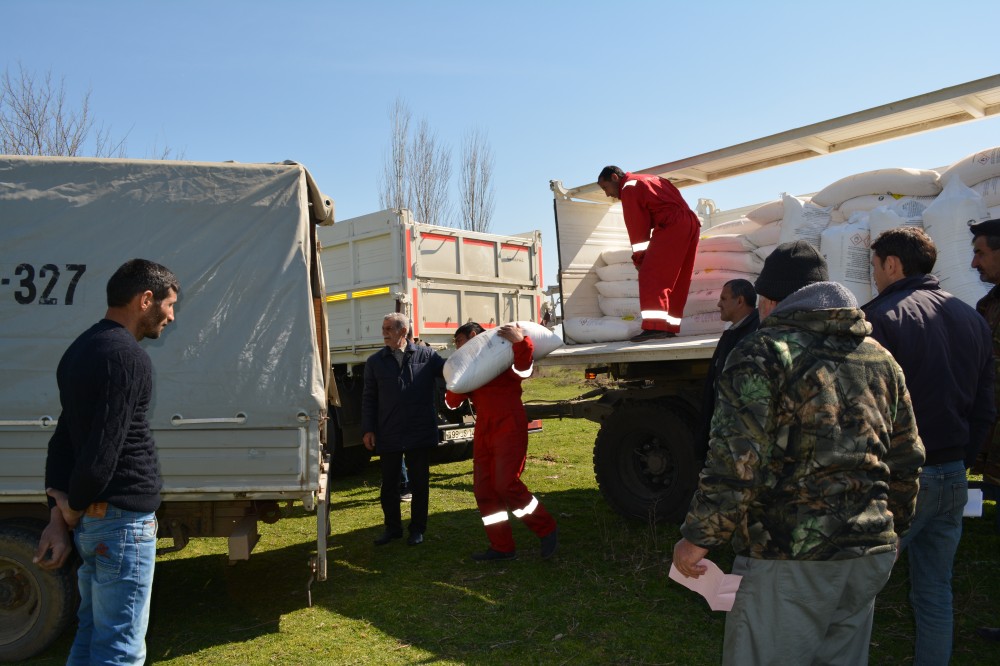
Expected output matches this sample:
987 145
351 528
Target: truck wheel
645 464
35 605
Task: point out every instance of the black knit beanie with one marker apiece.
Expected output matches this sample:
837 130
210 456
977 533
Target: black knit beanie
790 267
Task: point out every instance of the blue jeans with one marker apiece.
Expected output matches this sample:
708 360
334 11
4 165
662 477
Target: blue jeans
931 542
404 478
116 578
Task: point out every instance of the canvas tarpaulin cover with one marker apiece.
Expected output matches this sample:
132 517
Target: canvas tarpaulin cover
236 235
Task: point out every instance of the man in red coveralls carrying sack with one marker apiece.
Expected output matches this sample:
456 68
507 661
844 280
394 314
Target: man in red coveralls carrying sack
500 448
664 233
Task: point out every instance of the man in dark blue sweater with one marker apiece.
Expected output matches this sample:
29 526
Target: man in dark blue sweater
945 350
102 474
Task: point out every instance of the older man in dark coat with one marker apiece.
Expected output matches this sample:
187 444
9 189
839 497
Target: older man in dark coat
399 418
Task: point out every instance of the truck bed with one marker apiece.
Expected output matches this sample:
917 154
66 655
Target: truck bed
673 349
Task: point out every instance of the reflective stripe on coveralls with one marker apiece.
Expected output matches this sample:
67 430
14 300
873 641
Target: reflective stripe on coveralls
660 314
520 513
501 516
495 518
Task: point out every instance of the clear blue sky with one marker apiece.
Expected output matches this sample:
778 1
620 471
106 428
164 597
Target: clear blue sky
560 88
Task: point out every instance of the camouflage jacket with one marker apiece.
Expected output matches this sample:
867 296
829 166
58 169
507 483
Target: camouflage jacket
814 453
989 457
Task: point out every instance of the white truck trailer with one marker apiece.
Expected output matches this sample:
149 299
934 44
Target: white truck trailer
644 457
240 384
440 278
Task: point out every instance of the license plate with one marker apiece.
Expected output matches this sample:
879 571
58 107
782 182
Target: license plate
458 434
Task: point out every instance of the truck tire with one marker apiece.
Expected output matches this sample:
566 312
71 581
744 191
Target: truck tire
35 605
645 463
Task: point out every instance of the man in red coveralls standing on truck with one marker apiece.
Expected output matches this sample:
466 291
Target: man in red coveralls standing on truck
500 448
664 233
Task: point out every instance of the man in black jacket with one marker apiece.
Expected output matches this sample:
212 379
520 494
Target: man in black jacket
738 306
399 417
945 350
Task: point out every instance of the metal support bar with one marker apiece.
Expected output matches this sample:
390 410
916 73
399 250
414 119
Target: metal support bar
179 420
243 538
584 407
818 146
972 105
44 422
322 518
317 563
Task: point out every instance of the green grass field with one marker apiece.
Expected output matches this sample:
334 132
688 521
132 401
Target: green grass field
605 599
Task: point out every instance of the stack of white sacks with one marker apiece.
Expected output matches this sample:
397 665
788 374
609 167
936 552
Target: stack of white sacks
971 194
841 220
848 214
843 215
726 252
618 298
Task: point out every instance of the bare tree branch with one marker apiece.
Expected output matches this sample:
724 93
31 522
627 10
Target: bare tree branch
156 152
429 171
393 188
475 183
416 172
37 119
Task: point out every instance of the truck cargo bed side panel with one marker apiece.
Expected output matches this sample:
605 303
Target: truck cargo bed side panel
365 273
440 277
268 462
585 231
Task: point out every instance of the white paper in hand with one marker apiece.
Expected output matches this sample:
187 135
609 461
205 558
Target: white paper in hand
974 507
486 356
717 587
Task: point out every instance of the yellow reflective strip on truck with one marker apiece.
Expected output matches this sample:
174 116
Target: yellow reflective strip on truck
370 292
375 291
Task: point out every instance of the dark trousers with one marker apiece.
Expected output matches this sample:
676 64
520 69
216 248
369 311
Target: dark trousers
418 469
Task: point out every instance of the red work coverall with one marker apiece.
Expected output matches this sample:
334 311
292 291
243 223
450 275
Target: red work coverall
500 448
661 224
